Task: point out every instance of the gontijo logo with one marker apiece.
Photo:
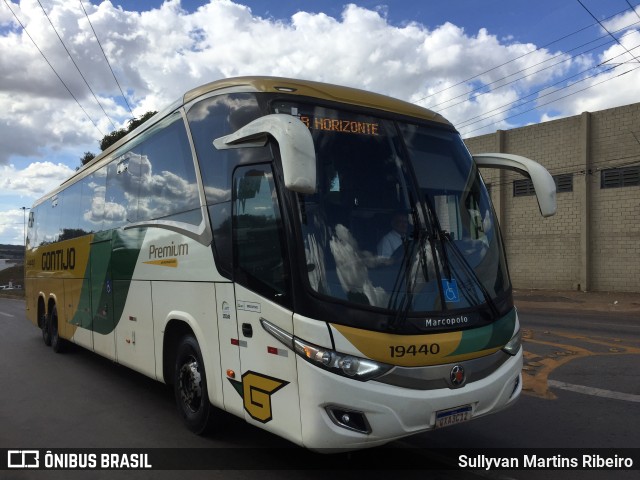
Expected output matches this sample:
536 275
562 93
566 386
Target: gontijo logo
61 259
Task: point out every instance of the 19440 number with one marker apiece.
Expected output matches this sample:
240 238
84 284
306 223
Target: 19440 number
424 349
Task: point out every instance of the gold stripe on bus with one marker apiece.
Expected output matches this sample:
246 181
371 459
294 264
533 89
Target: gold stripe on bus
166 262
50 265
406 350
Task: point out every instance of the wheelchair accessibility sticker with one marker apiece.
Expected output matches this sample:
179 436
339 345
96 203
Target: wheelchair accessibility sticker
450 289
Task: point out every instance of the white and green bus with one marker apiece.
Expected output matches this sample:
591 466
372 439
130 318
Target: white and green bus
321 261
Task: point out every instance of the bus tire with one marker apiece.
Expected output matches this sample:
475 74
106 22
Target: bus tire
46 329
190 386
57 343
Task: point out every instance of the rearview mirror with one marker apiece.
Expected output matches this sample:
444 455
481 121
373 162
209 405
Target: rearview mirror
296 147
542 180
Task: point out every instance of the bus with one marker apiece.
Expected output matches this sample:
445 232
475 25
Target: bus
322 261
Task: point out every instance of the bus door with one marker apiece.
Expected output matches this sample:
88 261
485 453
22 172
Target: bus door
229 349
102 298
268 384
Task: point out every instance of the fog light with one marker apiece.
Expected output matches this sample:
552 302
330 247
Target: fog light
349 419
516 384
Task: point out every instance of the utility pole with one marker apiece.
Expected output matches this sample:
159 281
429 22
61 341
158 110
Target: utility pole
24 226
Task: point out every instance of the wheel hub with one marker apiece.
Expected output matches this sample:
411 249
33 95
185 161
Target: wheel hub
190 385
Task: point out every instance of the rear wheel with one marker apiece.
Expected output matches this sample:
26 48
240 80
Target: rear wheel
57 343
46 329
190 386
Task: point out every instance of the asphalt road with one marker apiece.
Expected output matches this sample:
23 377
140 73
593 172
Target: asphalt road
582 390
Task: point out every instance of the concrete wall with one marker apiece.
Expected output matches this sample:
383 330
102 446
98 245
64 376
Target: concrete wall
593 242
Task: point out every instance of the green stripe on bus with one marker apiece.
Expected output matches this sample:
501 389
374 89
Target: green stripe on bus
495 335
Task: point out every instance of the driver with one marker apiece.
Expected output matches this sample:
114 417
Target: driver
396 237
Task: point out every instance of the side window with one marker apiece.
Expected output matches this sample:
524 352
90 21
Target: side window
49 222
260 260
70 201
215 117
167 175
121 199
93 197
33 239
209 119
220 215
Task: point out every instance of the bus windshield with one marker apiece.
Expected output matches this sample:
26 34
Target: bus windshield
401 219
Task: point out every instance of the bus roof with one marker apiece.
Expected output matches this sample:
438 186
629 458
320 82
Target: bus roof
324 91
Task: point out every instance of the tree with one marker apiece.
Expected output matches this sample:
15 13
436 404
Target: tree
87 157
116 135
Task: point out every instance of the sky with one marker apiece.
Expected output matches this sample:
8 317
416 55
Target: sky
483 64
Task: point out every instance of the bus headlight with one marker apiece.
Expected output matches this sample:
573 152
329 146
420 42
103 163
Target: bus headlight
350 366
514 344
346 365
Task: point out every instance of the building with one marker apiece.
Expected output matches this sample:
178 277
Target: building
593 241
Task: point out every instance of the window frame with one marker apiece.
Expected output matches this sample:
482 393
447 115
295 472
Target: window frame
242 276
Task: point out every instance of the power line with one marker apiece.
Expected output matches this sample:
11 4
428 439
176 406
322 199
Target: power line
105 57
77 68
606 30
514 59
24 29
632 8
533 73
467 124
508 106
555 100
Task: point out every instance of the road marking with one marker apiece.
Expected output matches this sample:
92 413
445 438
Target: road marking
6 314
538 367
597 392
613 324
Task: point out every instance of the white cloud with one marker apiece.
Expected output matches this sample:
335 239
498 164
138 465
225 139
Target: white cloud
617 85
33 181
12 227
159 54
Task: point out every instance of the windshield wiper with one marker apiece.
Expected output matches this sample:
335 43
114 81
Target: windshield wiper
446 238
401 303
403 307
443 239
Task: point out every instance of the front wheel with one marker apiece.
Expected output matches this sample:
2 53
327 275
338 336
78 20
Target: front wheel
190 386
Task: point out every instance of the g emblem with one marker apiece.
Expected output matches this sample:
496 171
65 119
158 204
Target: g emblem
256 390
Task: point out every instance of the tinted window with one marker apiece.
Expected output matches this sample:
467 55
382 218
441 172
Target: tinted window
215 117
209 119
35 232
93 196
220 214
49 221
70 201
121 199
258 239
167 179
154 179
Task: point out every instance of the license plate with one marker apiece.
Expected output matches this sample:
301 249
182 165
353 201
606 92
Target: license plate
453 416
